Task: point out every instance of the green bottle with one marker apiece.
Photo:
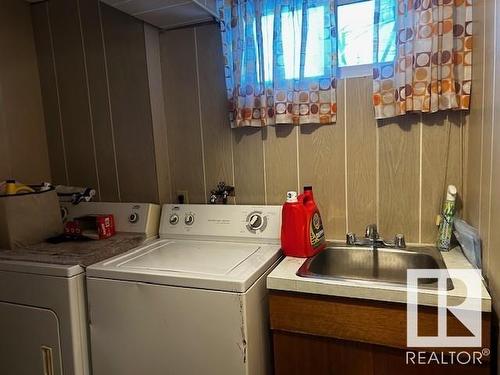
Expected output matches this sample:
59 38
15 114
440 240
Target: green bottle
446 222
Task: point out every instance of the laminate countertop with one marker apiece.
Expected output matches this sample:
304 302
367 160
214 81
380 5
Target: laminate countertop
284 278
79 253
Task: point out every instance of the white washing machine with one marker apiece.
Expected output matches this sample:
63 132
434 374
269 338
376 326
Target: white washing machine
43 311
192 302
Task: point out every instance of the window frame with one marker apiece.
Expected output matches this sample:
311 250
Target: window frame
353 71
349 2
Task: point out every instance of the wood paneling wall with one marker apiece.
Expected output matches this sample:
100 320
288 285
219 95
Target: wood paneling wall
112 125
100 102
482 207
23 147
393 173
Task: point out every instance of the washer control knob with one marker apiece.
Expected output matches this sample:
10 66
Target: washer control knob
133 218
256 221
174 219
189 219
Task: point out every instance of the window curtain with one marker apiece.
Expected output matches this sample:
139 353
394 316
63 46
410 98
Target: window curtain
280 61
432 68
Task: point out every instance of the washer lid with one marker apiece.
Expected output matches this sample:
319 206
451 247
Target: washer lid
224 266
201 257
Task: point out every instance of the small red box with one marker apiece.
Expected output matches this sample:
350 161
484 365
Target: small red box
97 227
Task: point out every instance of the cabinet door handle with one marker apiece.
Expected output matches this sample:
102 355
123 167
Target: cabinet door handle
48 362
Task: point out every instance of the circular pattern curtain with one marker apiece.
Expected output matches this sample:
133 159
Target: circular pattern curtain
280 61
433 66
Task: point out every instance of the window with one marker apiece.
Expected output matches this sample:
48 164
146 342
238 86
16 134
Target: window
355 22
314 61
356 33
315 49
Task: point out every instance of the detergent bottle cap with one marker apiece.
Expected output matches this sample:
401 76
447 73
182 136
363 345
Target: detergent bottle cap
291 197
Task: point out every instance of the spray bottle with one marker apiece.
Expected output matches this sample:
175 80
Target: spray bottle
446 222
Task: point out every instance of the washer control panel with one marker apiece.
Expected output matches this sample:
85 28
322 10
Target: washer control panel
234 221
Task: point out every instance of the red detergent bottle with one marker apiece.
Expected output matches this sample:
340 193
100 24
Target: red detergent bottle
302 233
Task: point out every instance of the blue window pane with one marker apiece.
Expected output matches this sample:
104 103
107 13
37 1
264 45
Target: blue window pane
267 41
291 28
387 31
315 46
291 25
356 32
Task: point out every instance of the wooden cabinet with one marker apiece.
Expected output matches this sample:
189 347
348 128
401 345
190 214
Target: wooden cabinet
332 335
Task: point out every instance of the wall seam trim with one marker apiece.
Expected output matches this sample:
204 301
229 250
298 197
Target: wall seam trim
482 129
112 123
88 99
345 159
420 176
160 187
200 115
463 161
297 146
492 129
5 143
57 93
377 173
232 165
264 168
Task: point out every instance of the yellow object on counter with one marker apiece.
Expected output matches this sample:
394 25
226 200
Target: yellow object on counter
12 187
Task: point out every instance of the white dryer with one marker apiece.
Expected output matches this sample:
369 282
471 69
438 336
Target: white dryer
193 301
43 310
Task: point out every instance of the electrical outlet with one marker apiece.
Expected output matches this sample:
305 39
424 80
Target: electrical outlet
182 196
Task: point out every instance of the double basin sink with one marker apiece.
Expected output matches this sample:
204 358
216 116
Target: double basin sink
372 264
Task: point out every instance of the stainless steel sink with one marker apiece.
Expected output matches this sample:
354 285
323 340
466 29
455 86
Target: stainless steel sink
380 265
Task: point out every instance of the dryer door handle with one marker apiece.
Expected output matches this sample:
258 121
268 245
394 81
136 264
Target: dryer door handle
48 361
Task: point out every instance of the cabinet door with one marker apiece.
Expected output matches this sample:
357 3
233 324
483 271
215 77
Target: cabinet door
29 341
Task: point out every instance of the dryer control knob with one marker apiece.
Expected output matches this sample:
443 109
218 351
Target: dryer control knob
133 218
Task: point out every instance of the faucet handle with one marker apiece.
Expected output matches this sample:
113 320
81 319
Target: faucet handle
371 232
399 241
350 238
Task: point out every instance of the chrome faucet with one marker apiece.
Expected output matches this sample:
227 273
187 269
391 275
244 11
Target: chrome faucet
371 232
372 238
